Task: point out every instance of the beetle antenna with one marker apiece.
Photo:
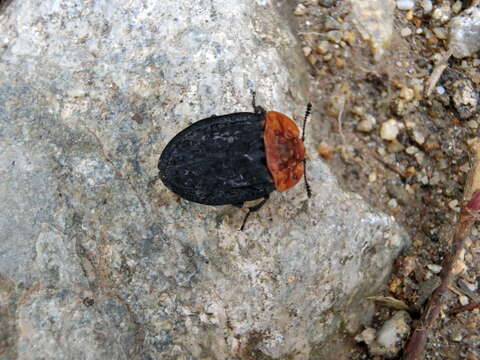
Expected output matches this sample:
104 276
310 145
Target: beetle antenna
307 113
307 186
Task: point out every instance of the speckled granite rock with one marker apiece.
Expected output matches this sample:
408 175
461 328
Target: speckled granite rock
99 261
464 35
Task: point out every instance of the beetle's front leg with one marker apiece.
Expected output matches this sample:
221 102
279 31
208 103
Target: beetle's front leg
254 209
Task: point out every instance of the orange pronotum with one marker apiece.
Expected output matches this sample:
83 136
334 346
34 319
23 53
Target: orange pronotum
284 149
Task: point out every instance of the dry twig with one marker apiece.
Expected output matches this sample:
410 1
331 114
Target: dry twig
468 307
468 215
437 73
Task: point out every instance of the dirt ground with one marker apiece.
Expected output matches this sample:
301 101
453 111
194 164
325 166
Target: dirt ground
417 172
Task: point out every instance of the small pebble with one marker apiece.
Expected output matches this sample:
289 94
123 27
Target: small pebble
405 32
395 147
459 267
411 150
418 137
339 62
410 15
424 180
300 10
418 89
334 36
435 179
420 158
405 4
457 337
367 336
322 47
394 284
440 32
372 177
442 14
470 286
453 204
472 124
332 24
393 203
398 107
465 98
465 168
367 123
440 90
358 110
407 94
410 124
349 37
325 151
307 50
410 171
434 268
389 130
463 300
442 164
392 336
312 59
427 6
457 7
408 265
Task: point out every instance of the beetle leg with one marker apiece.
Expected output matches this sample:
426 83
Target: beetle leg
254 209
256 109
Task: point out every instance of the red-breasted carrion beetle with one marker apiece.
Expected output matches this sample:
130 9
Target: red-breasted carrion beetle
230 159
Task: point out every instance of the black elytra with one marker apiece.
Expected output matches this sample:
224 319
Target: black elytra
217 161
220 160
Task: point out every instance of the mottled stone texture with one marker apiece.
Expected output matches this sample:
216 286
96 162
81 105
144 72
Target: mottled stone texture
464 36
100 261
374 21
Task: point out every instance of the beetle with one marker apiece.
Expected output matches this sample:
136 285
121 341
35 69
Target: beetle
234 158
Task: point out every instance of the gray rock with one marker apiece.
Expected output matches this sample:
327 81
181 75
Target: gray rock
464 39
100 261
465 98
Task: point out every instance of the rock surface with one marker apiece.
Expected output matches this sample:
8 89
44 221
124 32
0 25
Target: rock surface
374 21
100 261
464 39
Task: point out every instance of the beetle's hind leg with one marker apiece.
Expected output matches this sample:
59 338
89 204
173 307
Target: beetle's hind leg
253 209
256 109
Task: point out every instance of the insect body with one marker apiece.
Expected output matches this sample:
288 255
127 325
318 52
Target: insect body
234 158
